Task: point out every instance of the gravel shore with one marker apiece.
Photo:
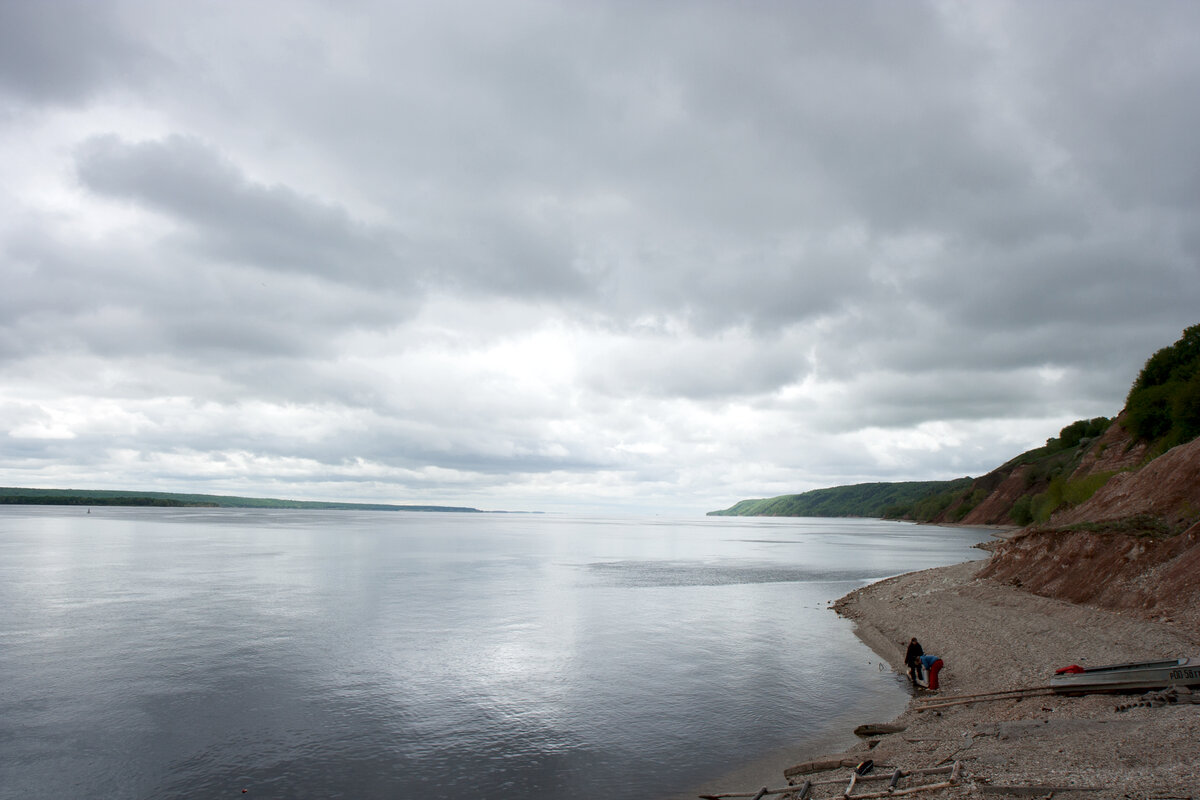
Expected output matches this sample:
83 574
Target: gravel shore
994 637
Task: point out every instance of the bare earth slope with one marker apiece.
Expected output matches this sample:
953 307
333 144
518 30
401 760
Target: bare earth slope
1152 577
1135 568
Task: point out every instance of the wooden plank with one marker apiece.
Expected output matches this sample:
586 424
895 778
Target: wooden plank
991 694
914 790
1038 693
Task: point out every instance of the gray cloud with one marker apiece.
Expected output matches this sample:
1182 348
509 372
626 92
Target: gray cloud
634 253
69 50
118 301
237 220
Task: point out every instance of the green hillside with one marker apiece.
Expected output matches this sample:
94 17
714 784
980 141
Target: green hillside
859 500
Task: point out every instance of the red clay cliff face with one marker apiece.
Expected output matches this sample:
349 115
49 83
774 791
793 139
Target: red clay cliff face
994 508
1150 577
1114 450
1129 561
1168 488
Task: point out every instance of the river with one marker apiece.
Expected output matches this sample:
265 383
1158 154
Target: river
159 653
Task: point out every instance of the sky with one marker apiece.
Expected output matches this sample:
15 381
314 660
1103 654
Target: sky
582 257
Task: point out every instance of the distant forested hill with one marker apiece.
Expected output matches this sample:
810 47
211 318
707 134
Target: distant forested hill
859 500
100 497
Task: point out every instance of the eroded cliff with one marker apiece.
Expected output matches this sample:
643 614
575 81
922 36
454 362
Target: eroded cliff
1132 546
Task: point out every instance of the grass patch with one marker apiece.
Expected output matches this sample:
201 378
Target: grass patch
1062 493
1142 526
1080 491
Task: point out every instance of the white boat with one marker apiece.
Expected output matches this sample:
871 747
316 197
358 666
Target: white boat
1140 676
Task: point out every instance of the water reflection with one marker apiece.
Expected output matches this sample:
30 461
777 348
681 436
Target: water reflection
160 653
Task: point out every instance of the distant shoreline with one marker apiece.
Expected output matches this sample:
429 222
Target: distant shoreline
107 497
79 500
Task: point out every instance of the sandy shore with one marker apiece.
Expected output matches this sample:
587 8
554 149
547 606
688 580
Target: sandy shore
994 637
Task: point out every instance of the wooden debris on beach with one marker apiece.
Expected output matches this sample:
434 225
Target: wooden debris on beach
986 697
809 789
1176 694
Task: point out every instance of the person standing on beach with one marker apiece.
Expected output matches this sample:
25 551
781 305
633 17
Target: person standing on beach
912 659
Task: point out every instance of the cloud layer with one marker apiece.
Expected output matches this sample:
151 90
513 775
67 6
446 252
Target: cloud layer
606 256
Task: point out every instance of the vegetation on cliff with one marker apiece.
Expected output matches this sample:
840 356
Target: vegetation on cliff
1163 405
1046 483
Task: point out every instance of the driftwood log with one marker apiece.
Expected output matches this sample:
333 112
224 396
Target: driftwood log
878 730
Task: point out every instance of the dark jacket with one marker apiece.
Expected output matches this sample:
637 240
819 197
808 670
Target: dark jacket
913 654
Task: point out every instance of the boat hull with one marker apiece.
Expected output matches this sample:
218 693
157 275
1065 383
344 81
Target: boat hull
1142 676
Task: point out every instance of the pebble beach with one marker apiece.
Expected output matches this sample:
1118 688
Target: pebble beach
993 638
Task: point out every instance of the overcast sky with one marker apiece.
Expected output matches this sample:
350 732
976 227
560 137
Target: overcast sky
581 256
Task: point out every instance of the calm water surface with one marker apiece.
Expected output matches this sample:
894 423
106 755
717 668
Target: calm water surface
159 653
